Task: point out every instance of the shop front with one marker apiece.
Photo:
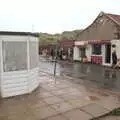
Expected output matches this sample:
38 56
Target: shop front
100 51
80 51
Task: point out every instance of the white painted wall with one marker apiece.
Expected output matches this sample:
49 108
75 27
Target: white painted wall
1 64
89 52
14 83
33 79
18 82
76 53
103 54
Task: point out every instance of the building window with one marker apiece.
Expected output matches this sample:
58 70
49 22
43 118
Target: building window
14 56
96 49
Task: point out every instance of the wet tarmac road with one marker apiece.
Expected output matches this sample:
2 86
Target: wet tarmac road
89 74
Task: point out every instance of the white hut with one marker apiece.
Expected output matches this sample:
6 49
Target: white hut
18 63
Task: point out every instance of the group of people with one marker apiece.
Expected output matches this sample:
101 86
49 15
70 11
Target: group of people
61 54
115 60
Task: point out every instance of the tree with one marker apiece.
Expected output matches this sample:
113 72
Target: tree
46 39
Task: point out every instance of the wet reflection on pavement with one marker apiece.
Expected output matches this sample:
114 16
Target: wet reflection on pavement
94 75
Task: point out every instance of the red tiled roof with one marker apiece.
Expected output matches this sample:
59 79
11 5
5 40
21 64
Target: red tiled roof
114 17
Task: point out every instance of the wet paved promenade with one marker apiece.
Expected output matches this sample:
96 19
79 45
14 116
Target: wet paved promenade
91 74
60 100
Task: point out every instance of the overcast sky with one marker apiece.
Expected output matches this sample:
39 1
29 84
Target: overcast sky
52 16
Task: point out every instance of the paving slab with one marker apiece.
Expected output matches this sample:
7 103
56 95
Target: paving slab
76 114
69 97
45 94
19 116
44 112
62 91
53 100
37 104
110 117
62 107
77 103
110 103
58 117
51 88
63 85
95 110
73 90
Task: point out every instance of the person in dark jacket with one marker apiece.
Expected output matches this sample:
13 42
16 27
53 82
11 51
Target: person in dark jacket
114 58
52 54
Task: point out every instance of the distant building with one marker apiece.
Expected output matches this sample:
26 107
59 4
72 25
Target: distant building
96 41
48 48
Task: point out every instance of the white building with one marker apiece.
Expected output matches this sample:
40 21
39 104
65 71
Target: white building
100 35
97 51
18 63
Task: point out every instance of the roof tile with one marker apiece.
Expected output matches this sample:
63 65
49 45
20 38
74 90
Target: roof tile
115 17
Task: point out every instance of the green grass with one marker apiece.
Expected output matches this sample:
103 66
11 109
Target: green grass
116 112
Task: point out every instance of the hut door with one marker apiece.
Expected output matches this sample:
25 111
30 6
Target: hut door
108 53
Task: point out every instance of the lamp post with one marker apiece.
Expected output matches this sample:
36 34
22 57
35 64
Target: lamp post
56 56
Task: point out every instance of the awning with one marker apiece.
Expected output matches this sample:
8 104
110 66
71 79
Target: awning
66 46
99 42
81 43
67 43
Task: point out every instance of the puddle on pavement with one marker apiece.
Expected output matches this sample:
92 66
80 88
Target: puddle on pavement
105 78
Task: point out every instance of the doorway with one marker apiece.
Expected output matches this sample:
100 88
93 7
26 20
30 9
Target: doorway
82 52
108 53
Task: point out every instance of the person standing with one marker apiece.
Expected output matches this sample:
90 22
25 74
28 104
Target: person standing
118 64
60 54
52 54
114 58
